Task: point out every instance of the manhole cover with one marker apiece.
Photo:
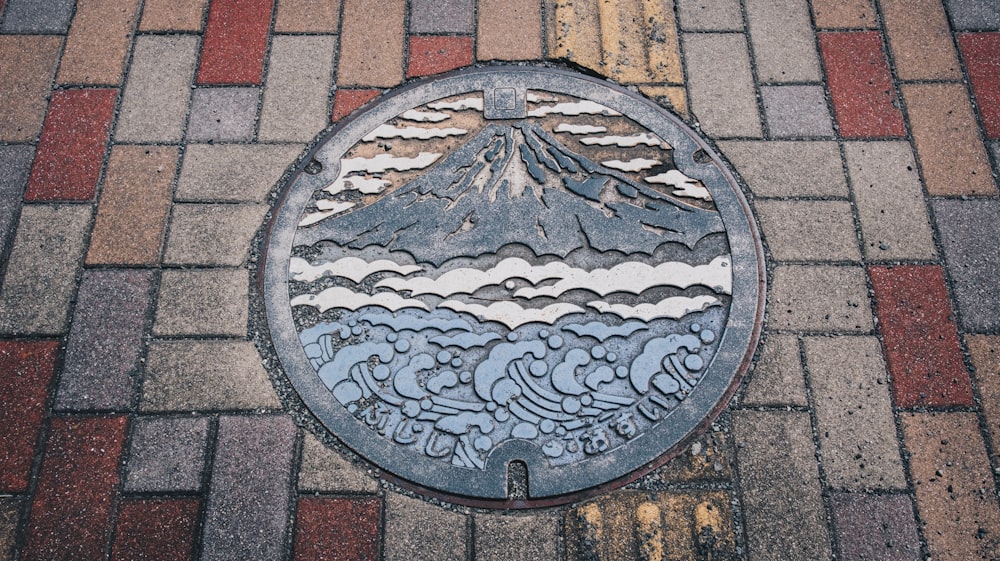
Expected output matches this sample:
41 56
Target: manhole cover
510 285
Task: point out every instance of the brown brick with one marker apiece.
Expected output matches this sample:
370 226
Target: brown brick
949 147
955 492
27 64
370 58
135 200
809 230
502 20
307 16
98 41
844 14
985 352
173 15
920 40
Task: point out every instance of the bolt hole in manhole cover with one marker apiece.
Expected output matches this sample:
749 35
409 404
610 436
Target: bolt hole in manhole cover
513 286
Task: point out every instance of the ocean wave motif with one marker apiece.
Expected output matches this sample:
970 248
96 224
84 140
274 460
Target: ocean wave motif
468 281
465 340
603 332
674 307
512 315
351 268
414 323
342 298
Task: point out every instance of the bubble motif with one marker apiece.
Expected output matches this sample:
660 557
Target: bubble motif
512 336
693 362
456 362
501 415
611 357
381 372
356 330
465 376
538 368
547 426
707 336
444 357
555 342
402 346
483 443
391 337
598 352
621 372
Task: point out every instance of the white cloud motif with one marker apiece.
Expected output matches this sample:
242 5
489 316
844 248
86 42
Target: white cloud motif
674 307
646 138
328 208
424 116
585 107
638 164
512 315
579 129
342 298
683 185
459 105
408 133
378 164
348 267
467 281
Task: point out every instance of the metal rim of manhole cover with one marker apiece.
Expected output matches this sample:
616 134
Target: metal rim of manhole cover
510 270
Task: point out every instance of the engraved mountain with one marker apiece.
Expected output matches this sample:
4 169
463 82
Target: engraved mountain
518 185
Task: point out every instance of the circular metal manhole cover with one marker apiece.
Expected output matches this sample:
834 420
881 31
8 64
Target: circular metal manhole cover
513 269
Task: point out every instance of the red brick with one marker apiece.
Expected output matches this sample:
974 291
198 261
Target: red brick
436 54
74 136
71 512
334 529
155 529
920 337
346 101
982 57
26 369
235 42
864 100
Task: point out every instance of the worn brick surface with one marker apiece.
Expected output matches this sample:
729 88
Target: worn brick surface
796 111
574 32
920 336
337 529
15 165
222 114
968 231
105 340
135 200
212 234
202 302
777 377
346 102
249 501
841 306
421 530
436 54
10 514
501 20
844 14
673 98
710 15
956 497
296 98
985 353
72 508
366 59
37 16
788 169
27 65
889 200
69 156
324 470
98 42
780 483
28 368
809 230
441 16
981 52
507 538
155 103
920 40
850 392
172 15
783 42
233 173
950 149
864 101
205 375
307 16
161 529
42 268
639 42
235 42
721 88
166 454
875 527
973 15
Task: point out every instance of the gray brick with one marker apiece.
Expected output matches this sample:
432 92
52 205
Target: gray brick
889 201
721 88
105 340
233 173
167 454
875 527
796 111
296 96
857 434
10 514
155 102
710 15
777 378
327 471
37 16
809 230
250 491
15 164
513 538
212 234
789 169
420 530
784 45
42 269
222 114
783 509
441 16
202 302
969 237
820 298
974 15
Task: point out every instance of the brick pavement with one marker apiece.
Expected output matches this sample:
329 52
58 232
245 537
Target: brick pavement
139 142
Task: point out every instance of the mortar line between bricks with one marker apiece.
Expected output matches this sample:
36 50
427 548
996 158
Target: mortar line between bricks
116 497
739 504
682 59
964 69
265 71
474 33
908 475
765 126
291 515
211 439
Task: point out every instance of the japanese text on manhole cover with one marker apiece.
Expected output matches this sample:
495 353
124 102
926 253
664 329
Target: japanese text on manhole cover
513 266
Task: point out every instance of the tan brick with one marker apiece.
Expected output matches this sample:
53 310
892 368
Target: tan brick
155 103
809 230
233 172
789 168
575 32
325 470
27 64
844 14
371 43
212 234
98 41
509 30
501 537
949 146
295 104
820 298
784 44
920 40
985 352
422 530
777 377
956 497
202 302
673 98
173 15
307 16
721 88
